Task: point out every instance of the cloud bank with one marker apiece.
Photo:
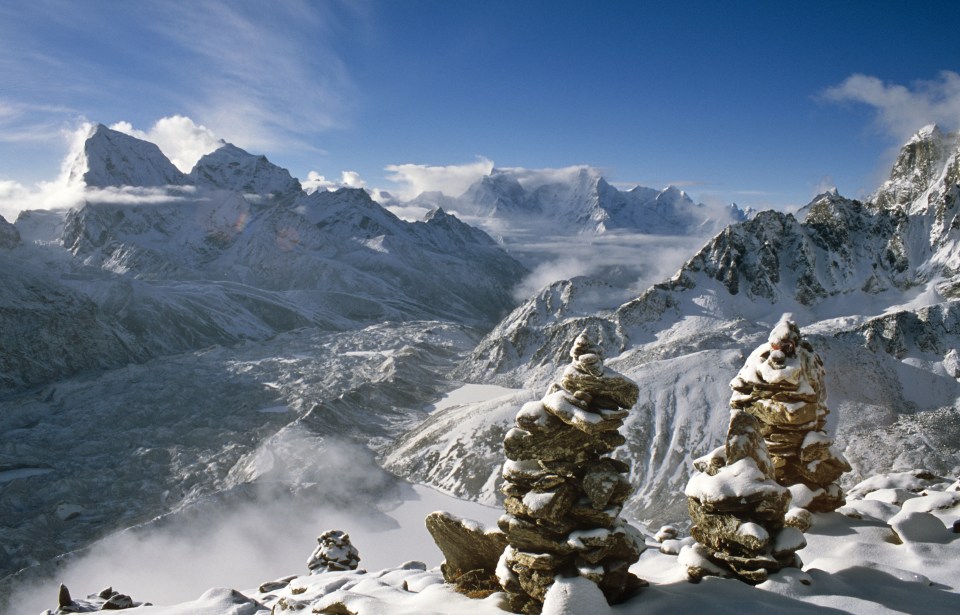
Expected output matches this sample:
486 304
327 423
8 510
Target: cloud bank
901 110
178 137
452 180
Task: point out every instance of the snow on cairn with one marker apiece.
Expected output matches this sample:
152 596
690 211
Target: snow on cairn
781 384
564 495
739 510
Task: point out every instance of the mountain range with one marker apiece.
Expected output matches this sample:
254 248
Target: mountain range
875 285
155 262
578 201
198 342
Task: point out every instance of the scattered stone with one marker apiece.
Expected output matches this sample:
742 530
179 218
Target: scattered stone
64 599
667 532
471 553
564 495
781 384
739 511
272 586
337 608
334 553
105 600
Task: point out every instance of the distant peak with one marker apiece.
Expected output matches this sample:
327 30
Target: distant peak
928 131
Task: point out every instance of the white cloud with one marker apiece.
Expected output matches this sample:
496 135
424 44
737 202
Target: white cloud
452 180
901 110
534 178
262 75
178 137
348 179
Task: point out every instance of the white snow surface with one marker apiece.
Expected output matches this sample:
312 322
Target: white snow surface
854 563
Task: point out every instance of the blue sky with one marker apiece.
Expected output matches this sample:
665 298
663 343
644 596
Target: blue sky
759 103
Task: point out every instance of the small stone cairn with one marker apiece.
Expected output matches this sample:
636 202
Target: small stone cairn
781 384
738 510
334 553
564 495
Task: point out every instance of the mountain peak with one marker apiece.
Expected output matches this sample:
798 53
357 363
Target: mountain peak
920 163
112 158
232 168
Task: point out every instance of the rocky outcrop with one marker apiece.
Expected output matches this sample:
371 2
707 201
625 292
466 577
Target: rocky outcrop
563 493
738 510
781 384
335 552
470 552
106 600
9 235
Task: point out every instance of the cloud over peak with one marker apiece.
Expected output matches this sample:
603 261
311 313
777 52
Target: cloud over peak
902 110
452 180
178 137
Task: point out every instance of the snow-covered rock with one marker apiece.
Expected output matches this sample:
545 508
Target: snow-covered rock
231 168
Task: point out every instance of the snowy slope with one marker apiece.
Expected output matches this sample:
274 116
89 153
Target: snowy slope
889 550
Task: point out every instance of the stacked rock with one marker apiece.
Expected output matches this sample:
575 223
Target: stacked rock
334 553
738 510
564 495
781 384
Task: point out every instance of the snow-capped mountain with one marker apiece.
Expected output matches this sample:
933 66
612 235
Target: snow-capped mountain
577 201
159 270
231 168
875 283
111 159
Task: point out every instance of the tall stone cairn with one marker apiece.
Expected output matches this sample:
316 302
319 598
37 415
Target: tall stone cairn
738 510
564 494
781 384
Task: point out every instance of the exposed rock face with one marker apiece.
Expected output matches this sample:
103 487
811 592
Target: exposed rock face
9 235
335 552
781 384
564 495
471 551
738 510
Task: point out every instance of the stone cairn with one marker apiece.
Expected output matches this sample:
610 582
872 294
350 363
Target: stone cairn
335 552
564 495
738 510
781 384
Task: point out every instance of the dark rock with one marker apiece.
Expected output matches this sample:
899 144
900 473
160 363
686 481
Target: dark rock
466 546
